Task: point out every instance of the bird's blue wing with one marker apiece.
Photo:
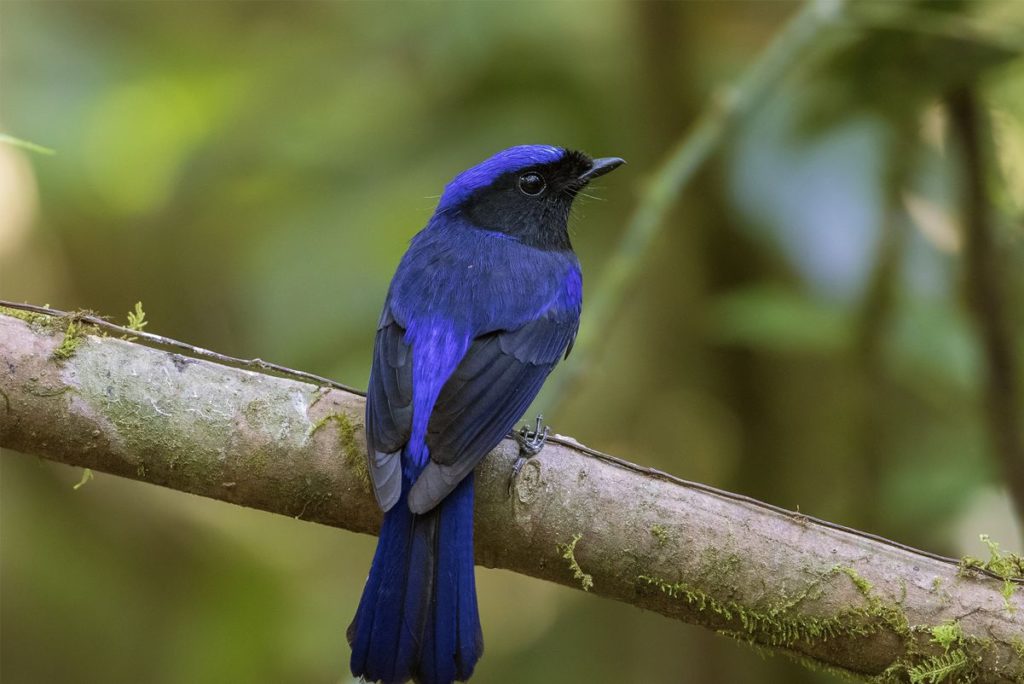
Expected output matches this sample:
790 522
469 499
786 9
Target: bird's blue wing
492 387
388 409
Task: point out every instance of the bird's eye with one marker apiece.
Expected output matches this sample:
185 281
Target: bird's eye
532 184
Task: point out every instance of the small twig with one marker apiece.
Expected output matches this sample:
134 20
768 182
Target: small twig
161 342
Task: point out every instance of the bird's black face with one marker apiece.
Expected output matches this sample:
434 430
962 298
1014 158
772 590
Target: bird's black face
532 204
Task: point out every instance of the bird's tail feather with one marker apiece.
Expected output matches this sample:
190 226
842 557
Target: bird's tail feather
418 615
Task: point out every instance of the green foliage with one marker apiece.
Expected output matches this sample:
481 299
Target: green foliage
948 635
1007 566
30 317
137 318
73 336
778 319
908 33
780 625
942 668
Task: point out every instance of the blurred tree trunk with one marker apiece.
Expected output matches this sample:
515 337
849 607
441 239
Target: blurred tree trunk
872 324
987 295
704 255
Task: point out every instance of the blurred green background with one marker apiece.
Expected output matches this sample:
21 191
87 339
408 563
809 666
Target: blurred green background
252 171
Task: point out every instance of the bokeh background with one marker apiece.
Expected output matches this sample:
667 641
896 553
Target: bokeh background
252 172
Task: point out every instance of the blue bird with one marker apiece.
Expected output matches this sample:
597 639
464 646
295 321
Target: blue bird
483 305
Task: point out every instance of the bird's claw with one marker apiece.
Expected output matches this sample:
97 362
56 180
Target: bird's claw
532 441
530 444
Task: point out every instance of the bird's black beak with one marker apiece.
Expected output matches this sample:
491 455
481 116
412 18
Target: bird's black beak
601 167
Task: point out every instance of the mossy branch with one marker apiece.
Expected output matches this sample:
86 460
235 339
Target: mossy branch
829 596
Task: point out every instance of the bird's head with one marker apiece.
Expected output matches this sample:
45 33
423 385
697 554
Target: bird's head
525 192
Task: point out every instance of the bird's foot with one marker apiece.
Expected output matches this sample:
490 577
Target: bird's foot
530 444
532 441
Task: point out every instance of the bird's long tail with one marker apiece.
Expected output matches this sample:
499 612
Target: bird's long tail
418 615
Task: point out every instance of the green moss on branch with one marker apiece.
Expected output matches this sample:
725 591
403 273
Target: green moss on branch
30 317
1008 566
569 553
352 453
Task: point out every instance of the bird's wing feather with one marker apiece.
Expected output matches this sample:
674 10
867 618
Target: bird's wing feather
490 390
388 409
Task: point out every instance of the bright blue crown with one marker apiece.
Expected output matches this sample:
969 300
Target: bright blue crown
485 173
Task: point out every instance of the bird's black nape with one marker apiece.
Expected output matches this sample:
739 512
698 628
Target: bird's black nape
532 204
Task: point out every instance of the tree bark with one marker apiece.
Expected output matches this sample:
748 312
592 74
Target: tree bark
833 597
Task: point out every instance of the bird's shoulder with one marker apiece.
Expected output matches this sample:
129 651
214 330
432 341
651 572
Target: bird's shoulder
480 282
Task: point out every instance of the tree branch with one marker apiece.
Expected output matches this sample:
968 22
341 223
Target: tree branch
831 596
